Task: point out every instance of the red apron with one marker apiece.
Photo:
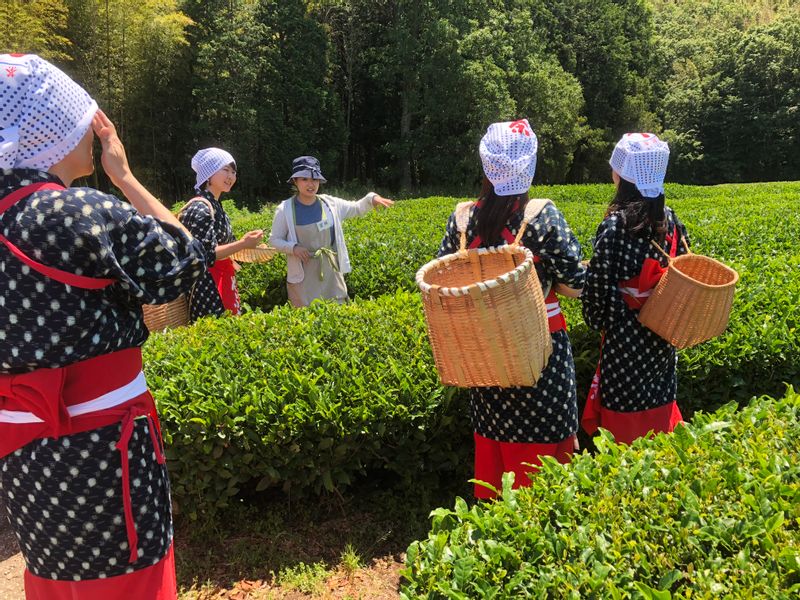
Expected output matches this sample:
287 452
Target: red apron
224 275
628 426
493 458
51 403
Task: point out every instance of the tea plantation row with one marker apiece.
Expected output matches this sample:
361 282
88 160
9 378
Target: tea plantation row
711 511
754 228
310 400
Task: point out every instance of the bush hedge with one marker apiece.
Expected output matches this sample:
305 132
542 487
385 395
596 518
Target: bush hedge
752 227
308 400
711 511
302 400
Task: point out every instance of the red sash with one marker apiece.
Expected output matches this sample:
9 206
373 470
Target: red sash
87 395
224 275
79 281
636 290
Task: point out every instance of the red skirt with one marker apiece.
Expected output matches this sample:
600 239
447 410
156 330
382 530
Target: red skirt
628 426
493 458
152 583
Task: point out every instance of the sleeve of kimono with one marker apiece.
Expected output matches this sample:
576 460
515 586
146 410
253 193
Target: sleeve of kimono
348 209
450 242
554 242
198 220
279 235
152 261
600 290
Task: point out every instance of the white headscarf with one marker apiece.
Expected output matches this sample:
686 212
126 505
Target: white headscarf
642 158
44 113
508 153
208 161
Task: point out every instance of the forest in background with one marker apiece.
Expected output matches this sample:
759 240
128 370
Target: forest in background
396 93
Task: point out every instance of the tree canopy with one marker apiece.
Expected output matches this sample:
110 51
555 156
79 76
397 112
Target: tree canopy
397 93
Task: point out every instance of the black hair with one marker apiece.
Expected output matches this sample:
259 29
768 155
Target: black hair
495 211
642 217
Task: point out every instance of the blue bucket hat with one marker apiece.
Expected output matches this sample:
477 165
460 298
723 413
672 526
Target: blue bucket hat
306 166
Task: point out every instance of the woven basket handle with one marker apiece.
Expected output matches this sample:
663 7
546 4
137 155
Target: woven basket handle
462 221
532 210
669 258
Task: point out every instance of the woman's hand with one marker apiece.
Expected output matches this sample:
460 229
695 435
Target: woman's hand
114 159
567 291
252 239
301 253
379 201
115 164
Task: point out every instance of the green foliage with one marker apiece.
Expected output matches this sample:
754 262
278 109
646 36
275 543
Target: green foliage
308 579
608 46
398 93
303 400
309 400
260 85
34 27
350 560
729 76
710 511
733 223
130 56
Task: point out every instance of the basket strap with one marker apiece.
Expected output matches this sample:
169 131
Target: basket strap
673 252
198 199
462 213
497 356
532 210
65 277
661 250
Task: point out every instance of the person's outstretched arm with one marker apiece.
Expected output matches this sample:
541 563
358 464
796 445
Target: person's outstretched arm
115 164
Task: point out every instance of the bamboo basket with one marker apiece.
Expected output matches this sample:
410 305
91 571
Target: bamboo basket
692 301
262 253
485 312
158 317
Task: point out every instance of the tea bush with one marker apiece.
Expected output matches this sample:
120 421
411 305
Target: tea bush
308 400
752 227
711 511
303 400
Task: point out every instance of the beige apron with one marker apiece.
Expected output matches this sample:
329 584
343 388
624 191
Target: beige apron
322 277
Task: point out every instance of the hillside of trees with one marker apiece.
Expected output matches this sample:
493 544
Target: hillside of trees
396 93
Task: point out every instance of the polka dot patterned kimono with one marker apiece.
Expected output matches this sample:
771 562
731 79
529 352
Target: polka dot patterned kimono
212 230
637 380
82 469
65 495
515 425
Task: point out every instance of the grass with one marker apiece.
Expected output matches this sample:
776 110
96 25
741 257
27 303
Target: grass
305 578
280 547
350 560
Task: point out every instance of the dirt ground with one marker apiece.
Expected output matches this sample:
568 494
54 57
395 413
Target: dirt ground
378 580
11 563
